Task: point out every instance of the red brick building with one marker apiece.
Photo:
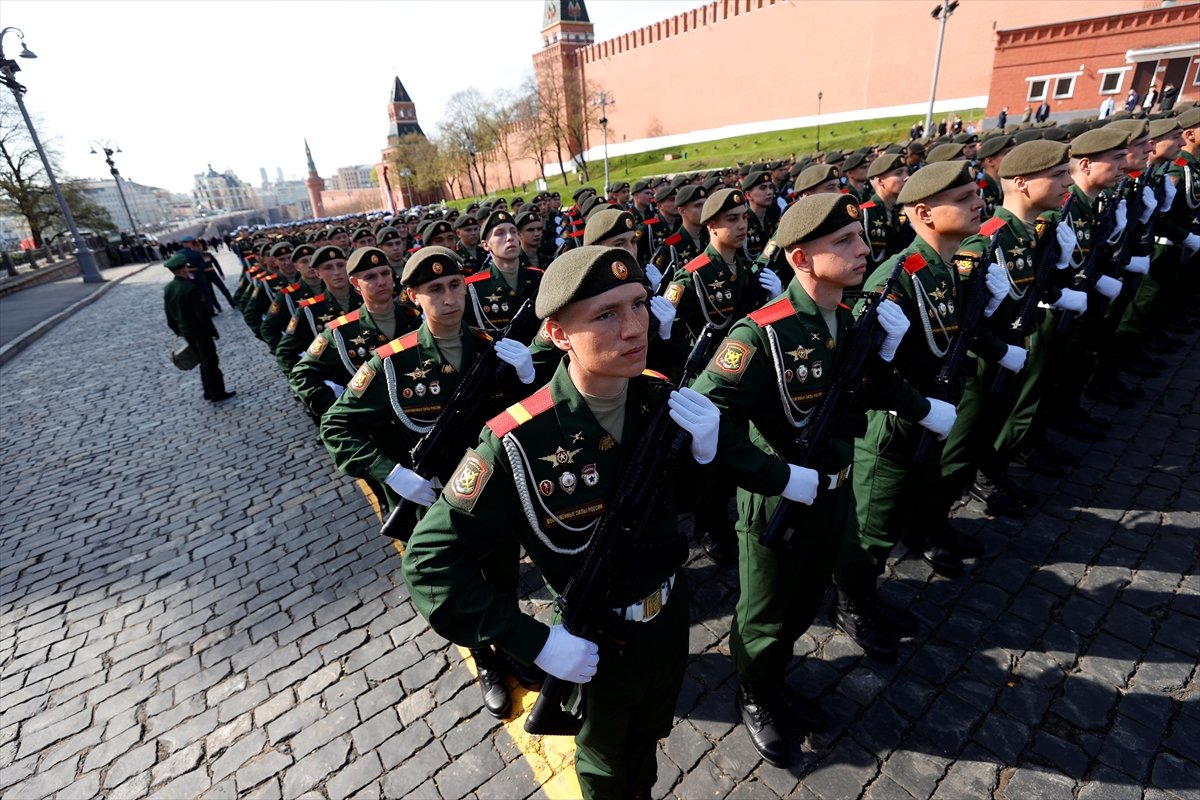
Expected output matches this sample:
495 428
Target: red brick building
1076 65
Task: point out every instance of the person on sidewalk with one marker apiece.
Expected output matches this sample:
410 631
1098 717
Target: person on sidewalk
188 317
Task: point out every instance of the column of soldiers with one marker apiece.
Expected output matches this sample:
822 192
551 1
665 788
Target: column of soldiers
839 349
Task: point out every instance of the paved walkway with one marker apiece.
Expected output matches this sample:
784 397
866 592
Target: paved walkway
194 603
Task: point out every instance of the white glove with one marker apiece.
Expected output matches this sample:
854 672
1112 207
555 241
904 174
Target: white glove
697 415
1108 286
895 324
1138 265
1192 243
517 356
996 281
1121 219
1067 242
568 657
940 418
664 312
653 276
1149 203
770 281
1072 300
1014 359
1169 191
802 485
411 486
337 387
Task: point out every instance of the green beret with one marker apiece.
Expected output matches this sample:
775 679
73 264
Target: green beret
326 254
815 216
945 152
365 258
335 230
885 163
814 176
854 161
434 228
641 186
1073 129
1056 134
1035 156
303 251
528 217
592 203
281 249
935 179
721 201
517 201
361 233
1099 141
607 222
755 179
386 234
1189 119
916 147
1161 127
665 192
315 237
1027 135
430 263
690 194
495 220
464 221
581 191
618 186
993 145
964 138
712 184
1137 128
582 273
175 262
835 157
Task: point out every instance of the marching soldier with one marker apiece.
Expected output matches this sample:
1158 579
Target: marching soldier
883 219
496 292
284 307
991 152
693 236
466 228
854 170
188 317
282 273
763 214
530 229
561 450
817 179
314 313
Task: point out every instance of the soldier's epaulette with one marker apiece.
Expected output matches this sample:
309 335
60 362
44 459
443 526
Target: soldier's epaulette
649 373
697 262
482 276
405 342
868 204
344 318
518 414
844 190
295 287
674 239
990 227
915 263
651 221
981 183
576 234
271 277
414 249
774 312
312 301
1181 162
1137 173
538 270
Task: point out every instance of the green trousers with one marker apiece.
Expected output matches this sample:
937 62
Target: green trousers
631 702
1013 434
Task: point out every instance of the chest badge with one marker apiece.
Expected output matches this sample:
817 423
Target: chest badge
546 488
360 339
567 482
417 374
801 353
590 476
817 369
576 438
561 457
607 442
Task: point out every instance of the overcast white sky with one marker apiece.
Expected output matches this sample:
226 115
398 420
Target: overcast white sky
179 84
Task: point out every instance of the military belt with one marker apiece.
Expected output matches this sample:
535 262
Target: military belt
836 479
647 608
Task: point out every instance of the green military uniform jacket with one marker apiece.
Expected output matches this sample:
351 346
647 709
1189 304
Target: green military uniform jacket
760 231
257 302
887 229
1184 215
1017 251
282 309
493 302
542 474
394 399
338 351
187 314
707 290
472 257
992 194
311 317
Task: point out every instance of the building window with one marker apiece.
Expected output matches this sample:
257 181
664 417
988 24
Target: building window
1110 81
1064 87
1037 89
1196 74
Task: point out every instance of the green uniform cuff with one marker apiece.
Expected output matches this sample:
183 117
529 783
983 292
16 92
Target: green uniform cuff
528 640
381 467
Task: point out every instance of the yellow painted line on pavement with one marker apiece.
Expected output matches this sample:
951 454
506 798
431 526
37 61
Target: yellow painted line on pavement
550 758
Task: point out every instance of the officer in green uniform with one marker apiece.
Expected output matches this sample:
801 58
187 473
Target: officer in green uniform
497 292
314 313
768 377
530 229
991 153
541 476
188 317
693 236
762 213
854 170
817 179
338 351
889 488
282 273
466 228
884 222
440 233
285 305
362 237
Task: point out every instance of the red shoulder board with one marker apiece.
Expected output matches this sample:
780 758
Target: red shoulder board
697 262
295 287
482 276
272 276
844 191
312 301
649 373
990 227
344 318
413 249
576 234
981 184
1181 162
652 221
673 239
538 270
868 204
519 413
1137 173
405 342
774 312
915 263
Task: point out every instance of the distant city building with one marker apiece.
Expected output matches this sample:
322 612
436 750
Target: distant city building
216 191
150 205
351 178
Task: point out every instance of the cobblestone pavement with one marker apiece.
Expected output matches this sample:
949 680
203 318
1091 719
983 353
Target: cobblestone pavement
194 603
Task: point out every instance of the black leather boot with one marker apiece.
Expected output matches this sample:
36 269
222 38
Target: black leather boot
491 682
754 707
853 615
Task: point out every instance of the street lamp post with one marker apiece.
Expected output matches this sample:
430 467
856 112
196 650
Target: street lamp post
819 96
108 159
604 99
8 69
940 13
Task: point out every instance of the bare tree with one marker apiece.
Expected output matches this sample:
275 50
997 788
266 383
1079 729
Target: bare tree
466 132
420 159
535 133
500 120
552 116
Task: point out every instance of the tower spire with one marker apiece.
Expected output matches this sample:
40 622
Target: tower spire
312 168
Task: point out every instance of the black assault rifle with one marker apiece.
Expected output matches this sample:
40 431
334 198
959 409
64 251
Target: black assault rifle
455 430
1100 252
976 295
862 341
584 604
1131 283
